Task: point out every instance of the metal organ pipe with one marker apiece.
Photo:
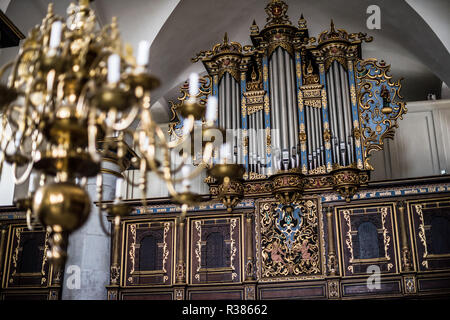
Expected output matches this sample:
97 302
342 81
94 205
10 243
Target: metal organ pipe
255 144
250 142
229 113
340 114
319 134
276 108
318 125
289 105
262 140
237 127
347 113
333 122
222 103
272 113
228 95
334 111
282 86
233 117
314 138
309 136
258 141
294 119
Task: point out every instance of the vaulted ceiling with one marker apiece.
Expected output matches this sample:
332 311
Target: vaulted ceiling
413 37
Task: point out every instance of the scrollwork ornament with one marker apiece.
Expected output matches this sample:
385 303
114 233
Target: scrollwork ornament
378 100
114 274
289 240
422 235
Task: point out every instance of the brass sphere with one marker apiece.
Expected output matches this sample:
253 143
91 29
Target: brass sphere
63 206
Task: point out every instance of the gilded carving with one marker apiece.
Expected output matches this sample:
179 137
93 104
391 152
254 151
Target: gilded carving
165 250
386 237
198 248
333 289
289 240
422 236
205 90
383 211
378 103
132 251
233 248
348 239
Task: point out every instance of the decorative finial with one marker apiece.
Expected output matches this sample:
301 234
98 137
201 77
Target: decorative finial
332 26
302 22
84 3
254 28
253 75
50 9
276 13
225 38
309 70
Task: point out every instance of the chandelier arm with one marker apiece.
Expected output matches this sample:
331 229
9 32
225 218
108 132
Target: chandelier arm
102 223
100 203
166 153
81 103
2 159
6 67
92 134
25 175
143 183
29 216
128 120
176 143
170 144
17 62
130 182
3 133
194 173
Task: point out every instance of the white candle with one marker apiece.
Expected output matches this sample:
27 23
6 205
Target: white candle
55 35
119 185
211 109
185 171
143 53
193 85
32 185
187 123
225 153
113 68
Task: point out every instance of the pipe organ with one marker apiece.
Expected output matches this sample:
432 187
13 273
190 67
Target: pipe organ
306 105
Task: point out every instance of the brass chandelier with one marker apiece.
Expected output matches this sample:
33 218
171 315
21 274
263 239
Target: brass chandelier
71 86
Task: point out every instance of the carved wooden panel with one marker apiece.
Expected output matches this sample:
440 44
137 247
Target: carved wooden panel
215 250
149 253
289 240
367 238
26 263
431 227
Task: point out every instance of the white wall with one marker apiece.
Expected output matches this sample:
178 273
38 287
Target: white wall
421 146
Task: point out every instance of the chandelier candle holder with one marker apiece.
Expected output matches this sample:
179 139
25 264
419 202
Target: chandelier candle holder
229 175
72 85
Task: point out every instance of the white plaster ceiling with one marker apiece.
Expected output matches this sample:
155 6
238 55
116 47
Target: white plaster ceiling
413 35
